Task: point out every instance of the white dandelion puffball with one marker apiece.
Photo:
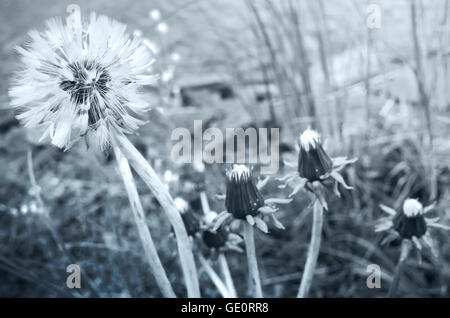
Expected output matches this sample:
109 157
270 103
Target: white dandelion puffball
82 81
309 138
412 207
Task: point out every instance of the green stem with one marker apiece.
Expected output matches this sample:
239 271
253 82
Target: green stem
227 275
143 230
221 286
313 251
151 179
255 280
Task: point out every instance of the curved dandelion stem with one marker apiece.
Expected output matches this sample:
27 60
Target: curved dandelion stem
249 240
313 251
143 230
151 179
221 286
404 253
227 274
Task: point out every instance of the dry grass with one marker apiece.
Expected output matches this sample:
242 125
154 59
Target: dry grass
88 205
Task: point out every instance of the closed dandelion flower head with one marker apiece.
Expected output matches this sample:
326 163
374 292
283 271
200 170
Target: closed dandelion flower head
313 161
244 202
315 169
243 197
410 224
82 81
410 221
190 221
218 239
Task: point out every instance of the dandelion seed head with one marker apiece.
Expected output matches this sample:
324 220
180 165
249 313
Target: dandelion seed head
82 82
412 207
309 138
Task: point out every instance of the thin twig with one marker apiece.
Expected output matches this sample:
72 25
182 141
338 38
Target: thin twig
143 230
313 251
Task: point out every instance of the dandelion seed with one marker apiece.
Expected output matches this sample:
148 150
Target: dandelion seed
82 84
151 46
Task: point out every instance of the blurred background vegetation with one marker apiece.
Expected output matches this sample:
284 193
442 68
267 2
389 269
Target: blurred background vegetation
381 95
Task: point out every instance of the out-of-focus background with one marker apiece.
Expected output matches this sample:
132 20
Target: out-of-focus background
379 94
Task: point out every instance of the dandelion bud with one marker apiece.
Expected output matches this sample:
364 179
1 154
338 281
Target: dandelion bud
190 221
412 221
215 239
313 161
82 82
243 197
